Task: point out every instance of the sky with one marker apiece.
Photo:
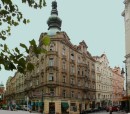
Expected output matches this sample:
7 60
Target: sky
98 22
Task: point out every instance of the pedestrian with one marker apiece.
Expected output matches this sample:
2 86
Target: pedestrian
110 109
30 108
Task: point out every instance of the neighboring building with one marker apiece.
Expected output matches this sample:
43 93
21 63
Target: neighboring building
103 81
19 96
11 90
109 83
118 85
65 74
126 14
2 92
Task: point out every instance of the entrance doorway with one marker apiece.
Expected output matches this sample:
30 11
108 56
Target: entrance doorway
51 108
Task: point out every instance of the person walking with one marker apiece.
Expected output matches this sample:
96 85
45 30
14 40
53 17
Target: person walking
110 110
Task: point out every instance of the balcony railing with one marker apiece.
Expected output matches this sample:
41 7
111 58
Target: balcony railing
52 53
54 67
64 71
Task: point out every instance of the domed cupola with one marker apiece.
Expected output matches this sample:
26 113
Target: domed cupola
54 22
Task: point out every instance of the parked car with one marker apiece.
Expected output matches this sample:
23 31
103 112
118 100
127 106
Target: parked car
25 107
95 109
18 107
89 110
114 108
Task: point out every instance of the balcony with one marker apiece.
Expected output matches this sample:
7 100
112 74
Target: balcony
51 83
72 61
52 67
52 53
80 76
72 74
64 71
82 65
64 57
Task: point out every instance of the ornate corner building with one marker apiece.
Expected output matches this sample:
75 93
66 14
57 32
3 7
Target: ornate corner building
64 77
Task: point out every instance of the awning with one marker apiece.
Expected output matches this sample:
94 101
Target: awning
32 103
65 105
40 104
36 103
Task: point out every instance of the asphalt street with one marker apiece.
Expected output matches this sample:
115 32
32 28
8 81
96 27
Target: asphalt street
104 112
16 112
26 112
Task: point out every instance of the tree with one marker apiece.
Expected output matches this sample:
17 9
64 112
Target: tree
10 15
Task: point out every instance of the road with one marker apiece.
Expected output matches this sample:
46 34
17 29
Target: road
16 112
26 112
104 112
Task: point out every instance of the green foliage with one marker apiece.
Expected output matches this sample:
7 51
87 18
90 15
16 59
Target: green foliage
46 40
10 15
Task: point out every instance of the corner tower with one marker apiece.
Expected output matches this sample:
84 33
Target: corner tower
54 22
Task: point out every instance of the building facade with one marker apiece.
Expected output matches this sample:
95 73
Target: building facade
103 81
64 77
118 85
126 14
2 92
109 83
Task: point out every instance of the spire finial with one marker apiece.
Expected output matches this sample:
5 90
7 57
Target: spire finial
54 22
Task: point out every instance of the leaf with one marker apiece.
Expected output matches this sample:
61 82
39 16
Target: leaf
5 47
28 21
11 66
46 40
16 49
24 46
44 3
30 66
24 21
23 1
32 42
1 45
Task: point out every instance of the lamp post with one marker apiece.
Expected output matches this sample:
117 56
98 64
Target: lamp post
128 109
27 102
42 103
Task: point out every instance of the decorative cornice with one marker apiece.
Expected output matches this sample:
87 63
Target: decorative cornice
127 56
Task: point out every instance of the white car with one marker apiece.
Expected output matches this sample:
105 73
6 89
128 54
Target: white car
25 108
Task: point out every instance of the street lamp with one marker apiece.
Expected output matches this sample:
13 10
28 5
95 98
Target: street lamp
128 109
27 98
42 103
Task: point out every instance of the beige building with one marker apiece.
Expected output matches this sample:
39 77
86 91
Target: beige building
118 86
64 77
11 89
126 14
19 95
104 76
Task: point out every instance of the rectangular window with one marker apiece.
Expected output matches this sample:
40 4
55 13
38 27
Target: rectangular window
51 61
72 94
64 79
51 77
63 51
64 93
52 92
79 96
63 65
